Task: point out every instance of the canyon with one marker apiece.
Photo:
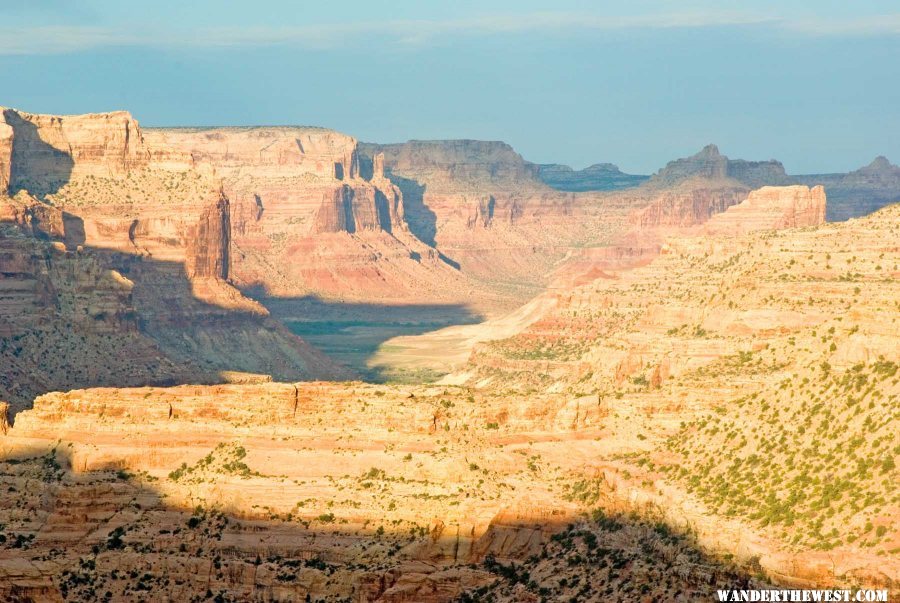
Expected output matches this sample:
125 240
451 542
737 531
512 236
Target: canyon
280 364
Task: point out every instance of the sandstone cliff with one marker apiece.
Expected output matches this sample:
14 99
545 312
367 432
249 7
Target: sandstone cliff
486 211
6 140
312 213
305 222
102 204
50 150
772 207
689 191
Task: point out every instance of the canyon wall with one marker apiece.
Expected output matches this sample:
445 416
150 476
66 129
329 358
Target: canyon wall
456 165
305 222
486 210
314 214
558 345
92 198
772 207
851 195
50 150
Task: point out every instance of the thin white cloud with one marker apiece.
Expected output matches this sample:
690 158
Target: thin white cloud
880 25
67 39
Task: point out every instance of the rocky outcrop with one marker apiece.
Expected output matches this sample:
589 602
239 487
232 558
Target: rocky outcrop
209 242
597 177
262 492
276 152
850 195
688 192
308 216
66 316
709 164
486 211
361 208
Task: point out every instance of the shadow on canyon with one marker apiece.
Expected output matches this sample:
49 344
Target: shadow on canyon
353 332
101 531
28 148
77 329
420 219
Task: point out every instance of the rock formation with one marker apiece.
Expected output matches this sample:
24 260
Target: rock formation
712 165
48 151
120 490
861 192
304 220
101 235
6 140
772 207
457 165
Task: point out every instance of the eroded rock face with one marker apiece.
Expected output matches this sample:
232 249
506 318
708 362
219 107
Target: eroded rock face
6 138
689 191
209 242
304 219
485 209
49 150
66 316
123 244
772 207
689 207
312 213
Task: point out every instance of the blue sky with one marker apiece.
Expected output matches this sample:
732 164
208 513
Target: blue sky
815 84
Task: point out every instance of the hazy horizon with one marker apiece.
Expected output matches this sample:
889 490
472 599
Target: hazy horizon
574 83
